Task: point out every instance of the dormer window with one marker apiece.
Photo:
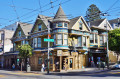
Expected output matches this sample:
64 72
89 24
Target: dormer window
39 27
19 34
59 24
80 25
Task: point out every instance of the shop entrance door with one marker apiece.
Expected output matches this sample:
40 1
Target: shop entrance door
71 63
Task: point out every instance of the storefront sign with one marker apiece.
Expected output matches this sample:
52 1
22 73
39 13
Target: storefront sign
59 52
74 53
66 54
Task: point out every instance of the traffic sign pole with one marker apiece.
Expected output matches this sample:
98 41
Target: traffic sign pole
48 45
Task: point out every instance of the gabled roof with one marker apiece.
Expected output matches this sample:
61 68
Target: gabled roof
73 21
45 19
96 23
60 15
26 27
113 21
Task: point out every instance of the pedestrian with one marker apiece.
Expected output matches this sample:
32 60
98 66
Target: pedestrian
43 67
13 66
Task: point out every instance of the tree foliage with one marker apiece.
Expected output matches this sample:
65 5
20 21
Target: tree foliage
93 13
114 40
25 51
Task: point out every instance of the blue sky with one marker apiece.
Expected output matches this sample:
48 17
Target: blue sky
73 8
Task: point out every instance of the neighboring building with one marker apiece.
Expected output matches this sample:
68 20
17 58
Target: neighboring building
20 33
98 38
11 27
115 23
5 43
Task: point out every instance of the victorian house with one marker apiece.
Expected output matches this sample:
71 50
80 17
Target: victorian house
98 39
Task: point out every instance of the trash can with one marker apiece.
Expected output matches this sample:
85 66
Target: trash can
28 68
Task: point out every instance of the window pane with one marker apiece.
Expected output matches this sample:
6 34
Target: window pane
101 40
40 60
59 36
54 39
80 26
80 41
39 42
65 24
91 38
39 27
59 42
65 42
51 61
84 41
19 33
26 42
35 42
96 38
65 36
59 24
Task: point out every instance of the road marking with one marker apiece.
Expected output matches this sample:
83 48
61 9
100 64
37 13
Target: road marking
2 76
26 73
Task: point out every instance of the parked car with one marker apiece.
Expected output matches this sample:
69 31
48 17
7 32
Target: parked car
116 66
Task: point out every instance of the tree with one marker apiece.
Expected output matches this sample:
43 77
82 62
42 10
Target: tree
25 51
114 41
93 13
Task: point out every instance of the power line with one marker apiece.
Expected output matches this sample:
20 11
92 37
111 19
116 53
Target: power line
111 6
15 11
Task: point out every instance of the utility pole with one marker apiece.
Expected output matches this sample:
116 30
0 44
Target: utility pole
48 45
107 47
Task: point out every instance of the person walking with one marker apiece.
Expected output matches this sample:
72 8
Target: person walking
13 66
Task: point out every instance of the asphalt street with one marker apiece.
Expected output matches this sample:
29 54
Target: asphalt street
113 74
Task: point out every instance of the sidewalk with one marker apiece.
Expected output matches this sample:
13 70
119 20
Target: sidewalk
85 70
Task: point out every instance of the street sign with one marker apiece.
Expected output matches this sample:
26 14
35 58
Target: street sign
49 40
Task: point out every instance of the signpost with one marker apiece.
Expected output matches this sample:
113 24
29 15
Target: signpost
48 40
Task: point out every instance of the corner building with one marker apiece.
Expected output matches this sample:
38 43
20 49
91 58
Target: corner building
71 41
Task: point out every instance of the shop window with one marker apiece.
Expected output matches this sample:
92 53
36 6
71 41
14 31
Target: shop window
26 42
54 25
91 38
40 60
65 39
39 27
79 41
